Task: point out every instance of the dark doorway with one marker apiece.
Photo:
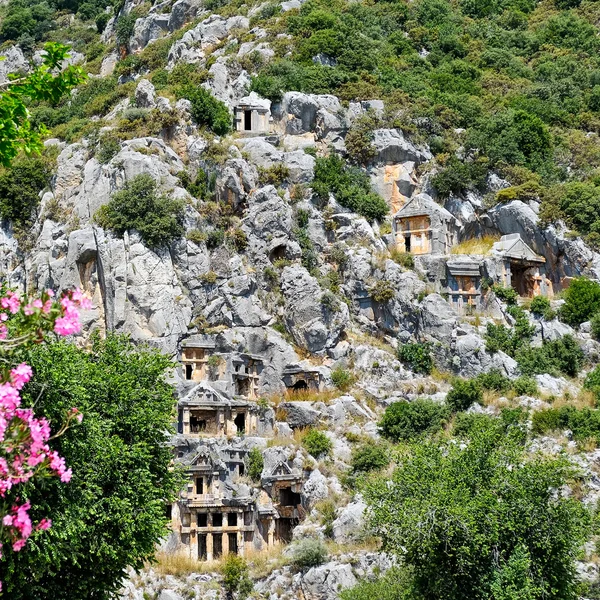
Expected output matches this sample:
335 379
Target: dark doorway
169 511
202 520
197 425
248 120
242 469
300 386
240 423
278 253
180 421
189 369
288 498
199 485
284 528
233 546
217 545
242 386
202 547
407 243
217 520
232 519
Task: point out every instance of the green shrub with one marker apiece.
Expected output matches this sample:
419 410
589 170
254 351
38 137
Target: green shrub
342 379
206 109
457 177
507 294
463 394
317 443
592 381
494 380
369 457
215 238
359 139
540 306
561 356
276 175
108 147
417 356
383 291
350 186
256 464
138 206
525 386
307 553
582 301
20 187
404 259
394 585
125 28
235 577
584 423
595 322
408 420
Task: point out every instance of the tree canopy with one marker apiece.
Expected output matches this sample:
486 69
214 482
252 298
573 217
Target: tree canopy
479 519
112 513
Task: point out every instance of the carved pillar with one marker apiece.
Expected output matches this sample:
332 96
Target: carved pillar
209 544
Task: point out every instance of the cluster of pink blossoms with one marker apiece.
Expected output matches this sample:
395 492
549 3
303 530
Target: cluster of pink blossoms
24 449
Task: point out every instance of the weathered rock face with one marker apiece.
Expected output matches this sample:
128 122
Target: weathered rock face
313 325
564 257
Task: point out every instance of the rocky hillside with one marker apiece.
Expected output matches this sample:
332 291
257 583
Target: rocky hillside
245 173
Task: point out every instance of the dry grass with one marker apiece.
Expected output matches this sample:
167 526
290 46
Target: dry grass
584 399
263 562
481 245
363 338
182 564
311 396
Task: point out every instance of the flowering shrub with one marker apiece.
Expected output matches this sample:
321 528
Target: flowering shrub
24 449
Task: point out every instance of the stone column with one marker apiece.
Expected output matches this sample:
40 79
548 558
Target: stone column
209 544
271 533
241 544
225 539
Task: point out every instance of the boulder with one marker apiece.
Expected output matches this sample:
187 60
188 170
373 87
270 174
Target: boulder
350 523
145 94
314 488
393 148
313 325
326 581
300 414
169 595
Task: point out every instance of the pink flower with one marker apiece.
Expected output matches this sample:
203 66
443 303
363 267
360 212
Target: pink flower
3 332
29 310
50 292
3 317
9 397
67 325
20 375
66 476
7 521
18 545
37 303
44 524
47 307
12 302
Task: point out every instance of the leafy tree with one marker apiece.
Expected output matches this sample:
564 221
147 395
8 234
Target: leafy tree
206 109
112 514
582 301
471 518
138 206
256 464
409 420
540 306
42 84
463 394
317 443
561 356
